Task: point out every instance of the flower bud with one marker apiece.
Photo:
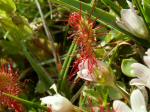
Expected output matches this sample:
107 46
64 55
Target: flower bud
133 23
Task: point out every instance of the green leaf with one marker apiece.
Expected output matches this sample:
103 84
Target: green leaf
10 47
43 76
100 52
114 93
17 26
7 5
146 8
112 6
126 67
40 87
139 6
123 4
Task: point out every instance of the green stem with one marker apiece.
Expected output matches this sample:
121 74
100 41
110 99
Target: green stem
26 102
66 64
48 33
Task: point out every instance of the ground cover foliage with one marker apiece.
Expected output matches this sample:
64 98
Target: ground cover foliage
74 55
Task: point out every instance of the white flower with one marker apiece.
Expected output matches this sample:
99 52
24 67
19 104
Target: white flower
137 103
142 72
84 72
132 23
99 73
57 103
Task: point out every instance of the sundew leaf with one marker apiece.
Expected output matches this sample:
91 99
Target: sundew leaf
7 5
126 67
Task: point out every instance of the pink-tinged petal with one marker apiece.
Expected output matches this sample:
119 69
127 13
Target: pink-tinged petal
119 106
147 60
141 71
86 64
134 23
84 74
137 82
148 52
137 101
81 65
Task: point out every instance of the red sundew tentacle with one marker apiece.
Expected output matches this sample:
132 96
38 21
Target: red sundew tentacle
17 106
9 84
74 20
102 108
49 110
85 35
108 107
90 104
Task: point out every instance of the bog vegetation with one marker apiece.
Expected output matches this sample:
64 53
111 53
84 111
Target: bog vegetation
74 55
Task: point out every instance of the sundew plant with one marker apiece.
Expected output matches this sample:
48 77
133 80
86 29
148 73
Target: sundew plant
74 55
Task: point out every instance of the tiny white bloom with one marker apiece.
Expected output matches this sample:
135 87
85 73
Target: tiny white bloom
132 23
137 103
142 72
84 72
57 103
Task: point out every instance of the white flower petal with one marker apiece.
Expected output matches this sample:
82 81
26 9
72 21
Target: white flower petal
137 101
83 65
84 74
122 25
148 52
144 92
148 82
57 103
129 18
137 82
147 60
133 23
141 71
119 106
